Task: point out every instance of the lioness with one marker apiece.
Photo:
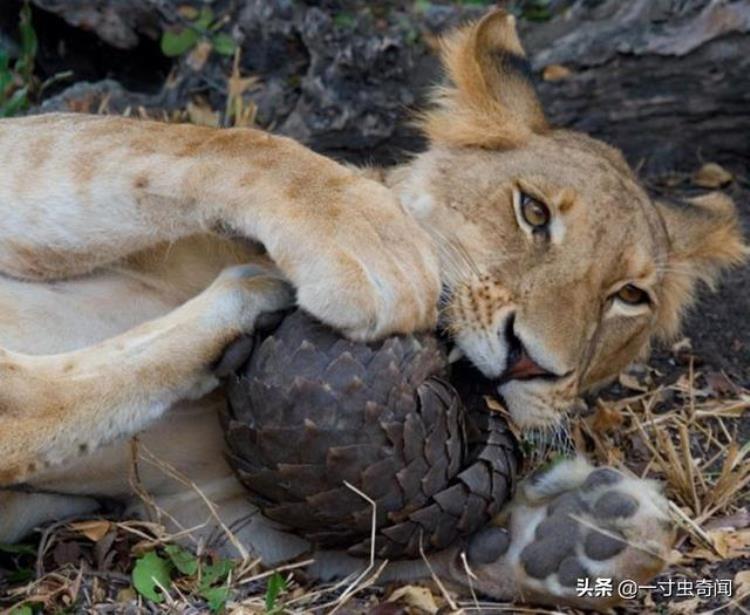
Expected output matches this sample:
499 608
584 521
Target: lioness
551 266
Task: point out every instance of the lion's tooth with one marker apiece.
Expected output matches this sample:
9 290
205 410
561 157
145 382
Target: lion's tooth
455 354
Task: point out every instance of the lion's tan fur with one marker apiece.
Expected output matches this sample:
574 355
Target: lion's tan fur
114 231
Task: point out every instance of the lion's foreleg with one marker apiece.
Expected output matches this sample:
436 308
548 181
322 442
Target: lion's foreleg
55 407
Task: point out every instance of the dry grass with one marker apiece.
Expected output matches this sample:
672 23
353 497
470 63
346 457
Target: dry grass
685 434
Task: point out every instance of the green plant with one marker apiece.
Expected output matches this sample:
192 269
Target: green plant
276 585
153 572
345 21
536 10
17 80
203 27
151 575
21 557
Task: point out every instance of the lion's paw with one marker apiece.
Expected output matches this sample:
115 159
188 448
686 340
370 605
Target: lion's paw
568 527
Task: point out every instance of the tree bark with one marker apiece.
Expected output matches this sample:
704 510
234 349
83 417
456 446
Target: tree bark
667 81
669 87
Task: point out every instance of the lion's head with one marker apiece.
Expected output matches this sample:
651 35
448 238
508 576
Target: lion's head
558 268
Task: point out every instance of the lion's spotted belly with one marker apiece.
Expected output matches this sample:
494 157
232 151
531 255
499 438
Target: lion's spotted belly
312 413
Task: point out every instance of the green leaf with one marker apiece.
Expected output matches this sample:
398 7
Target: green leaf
6 77
422 5
176 42
19 549
344 20
15 103
537 10
151 571
215 573
276 585
223 44
204 19
25 64
20 575
21 609
217 597
28 36
182 559
4 61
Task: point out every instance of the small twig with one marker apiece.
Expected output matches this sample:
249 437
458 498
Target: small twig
694 528
352 589
470 577
179 477
435 577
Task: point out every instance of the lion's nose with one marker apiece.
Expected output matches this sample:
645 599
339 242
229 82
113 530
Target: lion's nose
519 365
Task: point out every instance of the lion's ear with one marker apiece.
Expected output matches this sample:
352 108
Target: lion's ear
705 237
491 102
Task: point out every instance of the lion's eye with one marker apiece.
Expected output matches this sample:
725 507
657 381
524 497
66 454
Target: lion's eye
632 295
535 213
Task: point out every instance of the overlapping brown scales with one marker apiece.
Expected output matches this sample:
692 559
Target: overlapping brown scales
311 410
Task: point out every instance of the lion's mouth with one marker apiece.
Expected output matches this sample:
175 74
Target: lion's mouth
539 443
478 391
519 365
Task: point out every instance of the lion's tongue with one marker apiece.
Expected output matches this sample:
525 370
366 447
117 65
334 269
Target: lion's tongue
524 368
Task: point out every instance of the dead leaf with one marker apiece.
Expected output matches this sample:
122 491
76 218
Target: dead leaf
239 85
630 382
494 404
103 552
677 558
728 544
188 12
737 521
98 593
615 457
416 596
387 608
685 607
734 543
66 553
93 530
607 419
712 175
648 601
126 594
200 113
556 72
197 57
682 345
242 112
741 583
719 384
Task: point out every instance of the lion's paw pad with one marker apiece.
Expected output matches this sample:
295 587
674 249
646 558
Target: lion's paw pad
574 525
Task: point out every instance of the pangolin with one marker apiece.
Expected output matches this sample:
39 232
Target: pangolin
315 421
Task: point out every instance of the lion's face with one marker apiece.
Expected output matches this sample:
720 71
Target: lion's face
557 267
553 258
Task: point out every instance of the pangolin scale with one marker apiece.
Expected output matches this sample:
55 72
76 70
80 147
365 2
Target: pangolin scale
311 411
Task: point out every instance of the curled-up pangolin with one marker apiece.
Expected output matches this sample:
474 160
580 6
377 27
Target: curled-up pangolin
312 411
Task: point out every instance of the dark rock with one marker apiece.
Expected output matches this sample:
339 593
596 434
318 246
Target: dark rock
657 79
